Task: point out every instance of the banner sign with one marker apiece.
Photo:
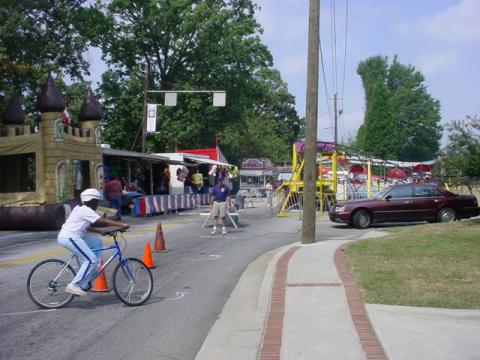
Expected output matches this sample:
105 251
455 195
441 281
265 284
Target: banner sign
151 117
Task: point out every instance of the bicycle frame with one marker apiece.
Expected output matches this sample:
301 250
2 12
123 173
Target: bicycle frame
115 246
117 253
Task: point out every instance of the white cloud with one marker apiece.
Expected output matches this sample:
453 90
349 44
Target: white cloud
433 64
455 24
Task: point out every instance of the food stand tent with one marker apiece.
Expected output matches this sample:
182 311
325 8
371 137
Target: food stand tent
211 153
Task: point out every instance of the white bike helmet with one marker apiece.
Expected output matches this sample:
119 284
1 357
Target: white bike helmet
90 194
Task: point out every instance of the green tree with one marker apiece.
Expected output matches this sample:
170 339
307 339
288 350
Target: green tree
188 45
463 151
37 37
401 118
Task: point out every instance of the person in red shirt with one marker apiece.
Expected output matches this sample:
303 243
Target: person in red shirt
113 193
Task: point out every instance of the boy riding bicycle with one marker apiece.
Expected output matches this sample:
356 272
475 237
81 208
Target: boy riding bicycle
75 238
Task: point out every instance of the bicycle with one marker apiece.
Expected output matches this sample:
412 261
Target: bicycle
133 284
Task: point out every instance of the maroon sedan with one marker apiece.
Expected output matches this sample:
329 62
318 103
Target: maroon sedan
404 203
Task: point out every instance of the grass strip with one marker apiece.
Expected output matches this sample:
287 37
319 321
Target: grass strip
431 265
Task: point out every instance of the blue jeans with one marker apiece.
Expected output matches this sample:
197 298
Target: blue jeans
82 248
116 203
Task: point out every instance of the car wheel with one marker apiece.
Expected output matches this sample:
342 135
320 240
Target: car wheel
446 215
362 219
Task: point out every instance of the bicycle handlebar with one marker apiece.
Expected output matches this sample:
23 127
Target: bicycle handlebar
113 232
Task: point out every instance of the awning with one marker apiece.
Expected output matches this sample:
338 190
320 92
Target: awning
199 159
137 155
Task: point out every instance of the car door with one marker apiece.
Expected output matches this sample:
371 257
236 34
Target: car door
426 202
398 204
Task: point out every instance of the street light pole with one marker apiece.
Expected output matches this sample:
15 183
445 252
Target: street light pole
310 159
144 121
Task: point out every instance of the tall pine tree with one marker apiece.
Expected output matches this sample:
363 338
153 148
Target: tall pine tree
401 118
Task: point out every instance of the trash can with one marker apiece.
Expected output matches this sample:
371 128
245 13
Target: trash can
239 202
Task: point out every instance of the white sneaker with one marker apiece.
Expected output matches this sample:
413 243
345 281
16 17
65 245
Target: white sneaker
214 230
224 231
75 290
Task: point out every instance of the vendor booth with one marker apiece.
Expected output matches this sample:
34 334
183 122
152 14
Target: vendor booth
255 173
198 170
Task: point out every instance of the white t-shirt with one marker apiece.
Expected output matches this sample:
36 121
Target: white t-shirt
77 222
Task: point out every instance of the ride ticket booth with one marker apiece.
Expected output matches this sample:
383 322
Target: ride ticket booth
255 173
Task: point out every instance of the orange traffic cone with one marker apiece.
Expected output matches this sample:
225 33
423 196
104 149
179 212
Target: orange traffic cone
147 256
159 245
100 284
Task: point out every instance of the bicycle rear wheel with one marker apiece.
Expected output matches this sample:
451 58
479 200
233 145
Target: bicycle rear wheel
47 281
132 282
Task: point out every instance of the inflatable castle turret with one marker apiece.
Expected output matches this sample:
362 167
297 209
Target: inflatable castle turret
13 118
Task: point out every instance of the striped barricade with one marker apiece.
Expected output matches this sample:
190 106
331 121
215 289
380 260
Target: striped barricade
192 201
155 206
205 199
172 203
181 201
163 203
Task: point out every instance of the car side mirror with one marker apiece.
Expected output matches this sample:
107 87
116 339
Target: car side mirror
388 197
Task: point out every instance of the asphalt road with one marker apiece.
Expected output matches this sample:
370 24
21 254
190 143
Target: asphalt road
193 280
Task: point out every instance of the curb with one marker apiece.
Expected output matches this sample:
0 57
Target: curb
368 338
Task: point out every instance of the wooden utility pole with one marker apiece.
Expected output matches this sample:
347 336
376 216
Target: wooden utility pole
310 154
144 122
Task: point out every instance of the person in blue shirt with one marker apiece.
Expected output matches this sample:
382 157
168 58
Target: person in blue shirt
220 201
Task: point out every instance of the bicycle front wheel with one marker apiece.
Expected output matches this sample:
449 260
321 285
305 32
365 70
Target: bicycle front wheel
47 281
132 282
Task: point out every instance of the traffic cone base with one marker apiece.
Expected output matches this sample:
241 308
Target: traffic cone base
159 245
147 256
100 284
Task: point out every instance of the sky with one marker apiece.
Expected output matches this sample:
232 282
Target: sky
440 38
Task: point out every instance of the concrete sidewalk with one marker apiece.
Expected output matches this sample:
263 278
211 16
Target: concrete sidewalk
300 303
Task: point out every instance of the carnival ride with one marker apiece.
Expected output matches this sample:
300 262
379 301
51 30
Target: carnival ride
343 173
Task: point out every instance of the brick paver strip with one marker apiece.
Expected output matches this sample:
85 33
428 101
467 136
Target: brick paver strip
272 336
368 338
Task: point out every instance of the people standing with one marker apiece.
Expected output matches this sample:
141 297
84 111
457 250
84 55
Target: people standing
197 182
268 190
220 201
113 193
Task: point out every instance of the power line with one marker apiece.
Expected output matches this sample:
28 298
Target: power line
335 44
342 122
332 42
325 82
345 51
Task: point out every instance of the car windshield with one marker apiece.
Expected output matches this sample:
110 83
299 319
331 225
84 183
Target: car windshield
381 194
